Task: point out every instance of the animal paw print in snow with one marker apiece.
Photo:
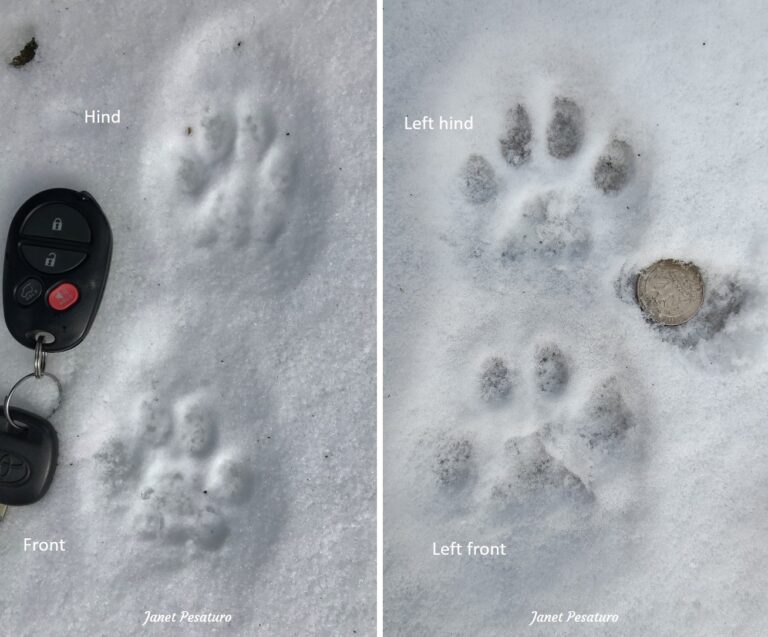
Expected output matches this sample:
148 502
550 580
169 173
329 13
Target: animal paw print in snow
240 174
562 460
178 485
550 223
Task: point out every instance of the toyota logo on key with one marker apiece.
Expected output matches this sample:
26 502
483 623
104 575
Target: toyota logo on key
14 470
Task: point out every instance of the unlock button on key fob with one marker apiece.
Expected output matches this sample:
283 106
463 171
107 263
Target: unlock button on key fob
52 260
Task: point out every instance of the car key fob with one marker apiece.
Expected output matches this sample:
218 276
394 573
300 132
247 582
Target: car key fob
56 263
28 456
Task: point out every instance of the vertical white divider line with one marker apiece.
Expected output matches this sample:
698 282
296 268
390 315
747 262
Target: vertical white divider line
379 318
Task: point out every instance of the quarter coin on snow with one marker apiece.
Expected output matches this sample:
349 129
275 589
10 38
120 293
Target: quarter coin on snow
670 292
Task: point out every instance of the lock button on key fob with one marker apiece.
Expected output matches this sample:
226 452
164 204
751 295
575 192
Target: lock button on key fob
56 221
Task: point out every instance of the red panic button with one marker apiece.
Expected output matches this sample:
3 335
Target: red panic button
63 297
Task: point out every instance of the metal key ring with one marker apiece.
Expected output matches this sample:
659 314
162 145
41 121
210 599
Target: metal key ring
7 403
40 356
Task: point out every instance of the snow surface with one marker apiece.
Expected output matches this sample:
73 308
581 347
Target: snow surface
217 426
527 401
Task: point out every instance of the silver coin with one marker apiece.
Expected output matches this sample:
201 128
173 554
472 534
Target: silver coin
670 292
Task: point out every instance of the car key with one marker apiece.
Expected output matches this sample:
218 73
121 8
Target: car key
28 456
57 259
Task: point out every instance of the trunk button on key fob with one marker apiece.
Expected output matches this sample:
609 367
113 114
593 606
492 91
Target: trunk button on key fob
28 292
63 296
56 221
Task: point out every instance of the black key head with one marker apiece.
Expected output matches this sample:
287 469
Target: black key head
28 458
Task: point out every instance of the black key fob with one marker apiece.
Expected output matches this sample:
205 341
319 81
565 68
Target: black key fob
28 458
56 264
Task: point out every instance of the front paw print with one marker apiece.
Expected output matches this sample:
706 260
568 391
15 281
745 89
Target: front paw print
565 457
177 487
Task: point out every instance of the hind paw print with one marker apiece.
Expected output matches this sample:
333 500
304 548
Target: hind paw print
516 212
179 488
239 174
